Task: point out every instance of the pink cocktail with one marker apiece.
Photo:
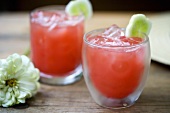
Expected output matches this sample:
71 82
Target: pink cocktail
56 41
115 66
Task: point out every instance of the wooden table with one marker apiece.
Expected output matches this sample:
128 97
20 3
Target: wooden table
75 98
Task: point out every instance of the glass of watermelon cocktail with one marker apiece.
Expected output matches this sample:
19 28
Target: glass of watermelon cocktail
56 41
115 67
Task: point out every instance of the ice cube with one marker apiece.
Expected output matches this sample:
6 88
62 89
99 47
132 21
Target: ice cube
113 32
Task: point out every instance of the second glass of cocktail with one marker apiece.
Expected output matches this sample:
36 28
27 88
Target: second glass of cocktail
115 67
56 40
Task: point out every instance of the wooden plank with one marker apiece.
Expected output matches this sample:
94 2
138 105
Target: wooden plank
75 98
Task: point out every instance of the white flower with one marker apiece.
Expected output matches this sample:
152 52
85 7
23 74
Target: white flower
18 80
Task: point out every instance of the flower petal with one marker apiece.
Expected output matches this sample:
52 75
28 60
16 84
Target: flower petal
9 102
22 94
2 95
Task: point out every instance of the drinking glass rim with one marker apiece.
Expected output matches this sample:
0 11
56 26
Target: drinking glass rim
56 8
60 8
52 8
112 47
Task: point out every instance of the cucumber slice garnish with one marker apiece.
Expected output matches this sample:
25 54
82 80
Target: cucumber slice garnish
78 7
138 24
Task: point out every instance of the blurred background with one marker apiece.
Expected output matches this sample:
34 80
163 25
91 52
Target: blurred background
98 5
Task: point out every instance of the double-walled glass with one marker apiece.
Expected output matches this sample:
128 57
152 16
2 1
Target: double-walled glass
56 42
115 75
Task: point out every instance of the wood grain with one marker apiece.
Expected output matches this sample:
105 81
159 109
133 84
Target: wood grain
75 98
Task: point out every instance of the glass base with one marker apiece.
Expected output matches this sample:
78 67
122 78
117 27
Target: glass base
116 104
112 103
65 79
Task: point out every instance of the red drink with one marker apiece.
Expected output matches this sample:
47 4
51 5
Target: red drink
115 67
56 41
117 73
